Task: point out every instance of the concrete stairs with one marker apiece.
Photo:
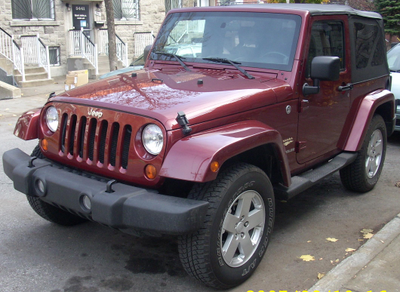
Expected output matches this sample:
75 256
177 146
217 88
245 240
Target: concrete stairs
6 65
34 76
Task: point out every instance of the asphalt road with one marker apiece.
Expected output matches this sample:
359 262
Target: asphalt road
39 256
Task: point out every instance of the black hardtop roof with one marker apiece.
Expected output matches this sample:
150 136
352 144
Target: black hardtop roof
313 9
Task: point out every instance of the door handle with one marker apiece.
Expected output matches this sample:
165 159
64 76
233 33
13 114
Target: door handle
346 87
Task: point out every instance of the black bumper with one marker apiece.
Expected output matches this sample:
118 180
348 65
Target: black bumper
127 207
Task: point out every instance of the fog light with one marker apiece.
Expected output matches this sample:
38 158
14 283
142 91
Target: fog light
40 187
86 202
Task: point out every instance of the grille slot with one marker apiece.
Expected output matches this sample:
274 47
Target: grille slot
71 137
102 143
81 141
127 133
87 138
114 142
64 121
92 136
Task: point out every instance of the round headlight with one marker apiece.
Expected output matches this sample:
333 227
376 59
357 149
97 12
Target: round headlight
52 118
153 139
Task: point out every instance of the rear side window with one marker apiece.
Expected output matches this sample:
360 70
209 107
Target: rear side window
369 52
368 49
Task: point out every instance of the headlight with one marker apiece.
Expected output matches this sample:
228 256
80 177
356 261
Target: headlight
52 118
153 139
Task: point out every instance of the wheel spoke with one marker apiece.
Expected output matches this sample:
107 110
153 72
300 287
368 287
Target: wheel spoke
230 223
244 205
256 218
246 247
230 247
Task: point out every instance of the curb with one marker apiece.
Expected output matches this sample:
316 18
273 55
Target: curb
351 266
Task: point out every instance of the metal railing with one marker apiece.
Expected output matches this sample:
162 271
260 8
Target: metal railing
36 52
18 60
81 45
121 47
142 39
10 49
122 51
6 42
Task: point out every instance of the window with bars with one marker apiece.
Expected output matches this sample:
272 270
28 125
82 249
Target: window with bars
32 9
126 9
54 55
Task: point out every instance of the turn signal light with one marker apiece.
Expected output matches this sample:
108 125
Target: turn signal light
150 171
214 166
45 144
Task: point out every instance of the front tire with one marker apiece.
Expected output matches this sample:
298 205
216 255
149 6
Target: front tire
49 212
363 174
228 248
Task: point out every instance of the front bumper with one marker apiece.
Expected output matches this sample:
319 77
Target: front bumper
126 207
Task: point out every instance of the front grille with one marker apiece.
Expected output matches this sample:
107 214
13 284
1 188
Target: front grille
99 141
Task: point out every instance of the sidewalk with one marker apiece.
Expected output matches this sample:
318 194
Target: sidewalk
374 267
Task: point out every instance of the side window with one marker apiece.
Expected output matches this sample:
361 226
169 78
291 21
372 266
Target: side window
327 39
368 45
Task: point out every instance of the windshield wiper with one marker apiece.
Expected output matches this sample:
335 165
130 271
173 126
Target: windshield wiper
178 58
233 63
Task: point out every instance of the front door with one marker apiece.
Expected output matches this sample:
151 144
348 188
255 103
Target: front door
324 114
81 19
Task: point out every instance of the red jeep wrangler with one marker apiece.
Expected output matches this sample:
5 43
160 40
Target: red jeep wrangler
235 107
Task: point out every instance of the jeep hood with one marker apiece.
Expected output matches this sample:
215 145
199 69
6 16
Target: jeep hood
202 96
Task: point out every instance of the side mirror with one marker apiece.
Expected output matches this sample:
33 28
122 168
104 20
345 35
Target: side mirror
146 52
323 68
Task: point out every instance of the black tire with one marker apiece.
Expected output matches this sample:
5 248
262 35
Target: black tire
49 212
202 253
363 174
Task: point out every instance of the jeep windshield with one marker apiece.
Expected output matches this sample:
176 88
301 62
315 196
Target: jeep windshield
260 40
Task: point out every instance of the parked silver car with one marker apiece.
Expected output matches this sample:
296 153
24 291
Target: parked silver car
393 57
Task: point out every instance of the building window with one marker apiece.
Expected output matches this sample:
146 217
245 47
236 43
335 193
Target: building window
172 4
54 55
203 3
32 9
126 9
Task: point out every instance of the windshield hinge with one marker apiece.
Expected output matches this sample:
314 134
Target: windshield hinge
183 122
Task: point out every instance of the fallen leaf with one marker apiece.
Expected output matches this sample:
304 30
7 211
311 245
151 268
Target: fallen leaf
368 235
366 230
320 276
350 249
331 239
337 260
307 258
308 241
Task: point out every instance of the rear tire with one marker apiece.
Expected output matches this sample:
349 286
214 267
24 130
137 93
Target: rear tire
228 248
363 174
49 212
